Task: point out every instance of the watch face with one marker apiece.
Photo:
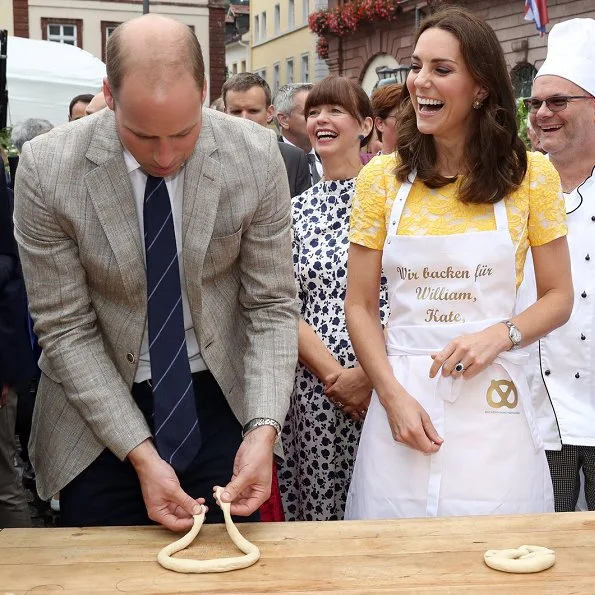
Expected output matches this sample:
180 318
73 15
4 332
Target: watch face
515 335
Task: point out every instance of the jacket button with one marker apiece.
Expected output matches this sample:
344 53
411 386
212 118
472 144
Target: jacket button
592 217
130 357
577 375
584 294
583 337
547 372
587 257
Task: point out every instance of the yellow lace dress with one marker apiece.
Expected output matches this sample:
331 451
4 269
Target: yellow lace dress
536 213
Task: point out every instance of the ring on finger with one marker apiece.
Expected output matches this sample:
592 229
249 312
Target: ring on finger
460 367
338 405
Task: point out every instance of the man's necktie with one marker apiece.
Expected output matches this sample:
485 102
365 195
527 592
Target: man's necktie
176 432
313 170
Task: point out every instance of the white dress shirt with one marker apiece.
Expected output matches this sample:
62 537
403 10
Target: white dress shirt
175 186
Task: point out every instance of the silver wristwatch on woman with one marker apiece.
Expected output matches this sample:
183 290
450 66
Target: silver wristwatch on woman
514 334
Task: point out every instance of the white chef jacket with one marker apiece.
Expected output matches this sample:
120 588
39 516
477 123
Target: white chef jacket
562 371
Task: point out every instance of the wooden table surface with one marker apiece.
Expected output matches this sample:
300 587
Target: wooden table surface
435 556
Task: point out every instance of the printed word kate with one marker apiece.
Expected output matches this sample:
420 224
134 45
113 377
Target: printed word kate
435 315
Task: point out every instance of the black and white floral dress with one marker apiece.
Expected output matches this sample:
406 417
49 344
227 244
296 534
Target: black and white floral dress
320 441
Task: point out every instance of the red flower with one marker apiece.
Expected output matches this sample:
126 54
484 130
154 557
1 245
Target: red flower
322 48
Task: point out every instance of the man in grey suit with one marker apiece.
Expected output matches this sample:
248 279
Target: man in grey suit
248 95
155 237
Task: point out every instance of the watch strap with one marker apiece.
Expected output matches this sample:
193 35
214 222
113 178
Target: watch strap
257 422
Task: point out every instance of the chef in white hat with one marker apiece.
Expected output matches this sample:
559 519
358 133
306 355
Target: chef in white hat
562 113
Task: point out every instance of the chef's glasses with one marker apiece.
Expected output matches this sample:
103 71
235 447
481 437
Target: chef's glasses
557 103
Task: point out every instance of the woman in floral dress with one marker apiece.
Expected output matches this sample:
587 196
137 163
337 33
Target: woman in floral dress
331 392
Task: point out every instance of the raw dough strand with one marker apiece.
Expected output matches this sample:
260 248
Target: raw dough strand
252 553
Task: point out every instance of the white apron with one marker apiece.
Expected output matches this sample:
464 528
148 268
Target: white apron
492 460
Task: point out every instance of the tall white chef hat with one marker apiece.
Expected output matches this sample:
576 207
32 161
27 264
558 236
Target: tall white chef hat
571 53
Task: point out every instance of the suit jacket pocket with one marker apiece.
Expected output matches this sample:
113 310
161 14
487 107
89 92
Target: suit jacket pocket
222 255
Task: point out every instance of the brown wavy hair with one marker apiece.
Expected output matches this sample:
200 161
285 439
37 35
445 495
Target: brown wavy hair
496 158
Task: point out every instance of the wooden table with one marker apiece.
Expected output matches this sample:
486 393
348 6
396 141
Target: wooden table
418 556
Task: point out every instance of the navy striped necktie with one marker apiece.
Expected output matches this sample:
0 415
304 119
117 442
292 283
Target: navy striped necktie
176 432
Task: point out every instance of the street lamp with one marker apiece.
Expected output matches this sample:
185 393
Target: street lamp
391 74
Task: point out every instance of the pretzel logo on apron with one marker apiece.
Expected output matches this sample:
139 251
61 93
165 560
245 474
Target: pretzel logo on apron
502 393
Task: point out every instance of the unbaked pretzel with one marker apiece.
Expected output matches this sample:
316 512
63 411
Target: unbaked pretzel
525 559
252 553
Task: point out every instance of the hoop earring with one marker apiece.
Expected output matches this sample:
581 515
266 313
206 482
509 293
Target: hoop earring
477 104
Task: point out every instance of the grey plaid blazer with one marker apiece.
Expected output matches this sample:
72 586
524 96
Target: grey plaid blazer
82 256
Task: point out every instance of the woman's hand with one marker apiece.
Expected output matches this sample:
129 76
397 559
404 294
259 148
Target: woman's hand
350 390
411 425
475 352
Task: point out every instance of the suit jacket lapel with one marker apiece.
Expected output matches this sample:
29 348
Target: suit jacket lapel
202 187
111 193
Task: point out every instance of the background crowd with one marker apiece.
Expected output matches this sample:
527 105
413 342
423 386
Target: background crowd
406 250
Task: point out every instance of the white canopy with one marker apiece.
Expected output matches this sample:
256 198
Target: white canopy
43 76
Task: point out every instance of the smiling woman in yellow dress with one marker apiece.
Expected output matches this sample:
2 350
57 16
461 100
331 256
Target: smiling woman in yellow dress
450 429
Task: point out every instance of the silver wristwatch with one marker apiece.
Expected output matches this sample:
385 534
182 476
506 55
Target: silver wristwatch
514 334
257 422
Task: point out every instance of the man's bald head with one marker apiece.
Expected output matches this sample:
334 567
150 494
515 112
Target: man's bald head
156 47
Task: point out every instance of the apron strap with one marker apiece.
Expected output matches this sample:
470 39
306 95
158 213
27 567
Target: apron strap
501 216
399 203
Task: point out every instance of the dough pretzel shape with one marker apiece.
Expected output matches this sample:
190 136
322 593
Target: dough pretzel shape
252 553
525 559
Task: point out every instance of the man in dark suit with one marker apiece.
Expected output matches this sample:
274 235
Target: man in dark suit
248 95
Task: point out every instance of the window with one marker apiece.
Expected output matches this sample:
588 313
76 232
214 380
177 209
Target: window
107 28
305 68
69 31
289 71
291 14
276 77
522 76
243 66
62 34
263 25
305 10
234 68
256 31
263 74
277 19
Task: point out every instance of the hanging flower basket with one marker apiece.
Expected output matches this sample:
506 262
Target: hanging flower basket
348 18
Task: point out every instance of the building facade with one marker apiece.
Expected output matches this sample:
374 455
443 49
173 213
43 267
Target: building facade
283 49
237 39
6 16
89 23
360 53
